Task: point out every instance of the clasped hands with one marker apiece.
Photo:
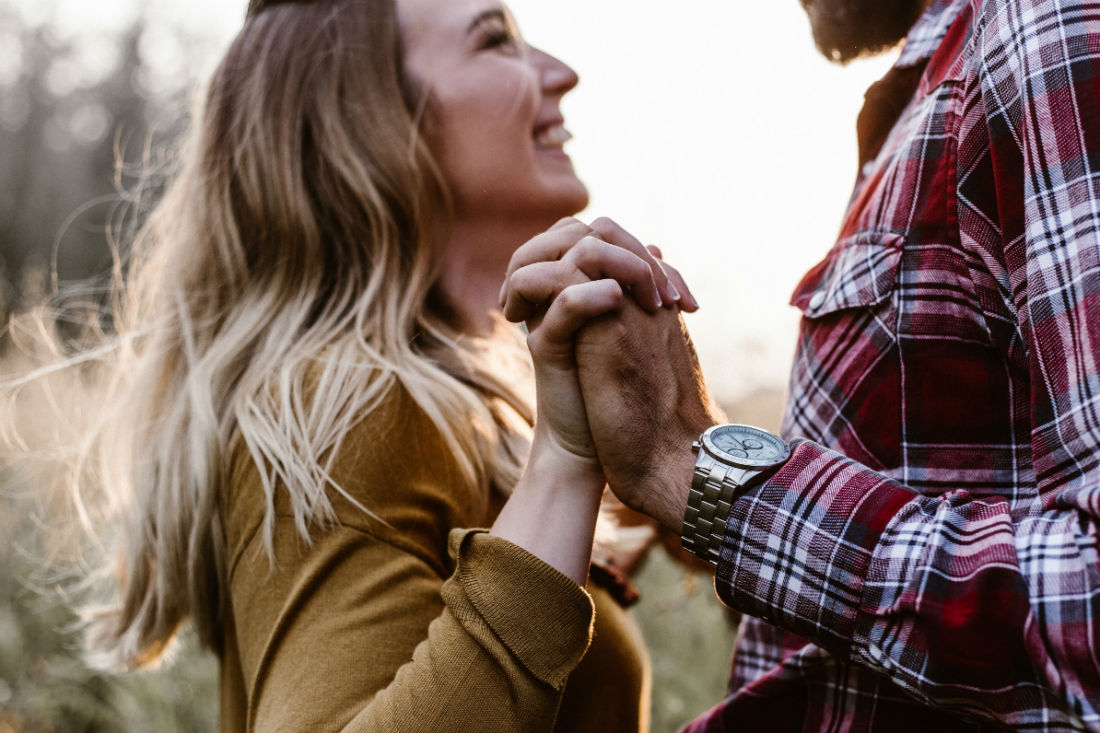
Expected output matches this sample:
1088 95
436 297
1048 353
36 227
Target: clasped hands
619 385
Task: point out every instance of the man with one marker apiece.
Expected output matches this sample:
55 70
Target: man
920 553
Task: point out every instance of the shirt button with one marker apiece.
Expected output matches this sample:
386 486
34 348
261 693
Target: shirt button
817 301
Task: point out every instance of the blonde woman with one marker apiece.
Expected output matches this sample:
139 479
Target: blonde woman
311 393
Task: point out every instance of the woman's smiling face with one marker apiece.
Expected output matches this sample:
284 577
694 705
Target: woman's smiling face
494 121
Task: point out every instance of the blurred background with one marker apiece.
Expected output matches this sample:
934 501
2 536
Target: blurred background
709 127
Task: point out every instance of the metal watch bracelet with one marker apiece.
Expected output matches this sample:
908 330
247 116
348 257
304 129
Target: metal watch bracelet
713 491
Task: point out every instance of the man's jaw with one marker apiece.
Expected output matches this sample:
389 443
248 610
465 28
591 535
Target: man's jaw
848 29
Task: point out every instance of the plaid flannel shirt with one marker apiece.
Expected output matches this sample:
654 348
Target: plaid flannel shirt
927 560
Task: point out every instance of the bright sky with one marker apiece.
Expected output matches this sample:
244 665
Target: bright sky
711 128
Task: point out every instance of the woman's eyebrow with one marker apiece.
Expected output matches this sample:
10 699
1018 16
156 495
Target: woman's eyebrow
484 15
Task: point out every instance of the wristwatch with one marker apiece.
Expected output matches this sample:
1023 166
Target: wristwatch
731 459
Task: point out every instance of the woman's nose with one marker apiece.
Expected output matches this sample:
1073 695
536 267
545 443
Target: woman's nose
555 76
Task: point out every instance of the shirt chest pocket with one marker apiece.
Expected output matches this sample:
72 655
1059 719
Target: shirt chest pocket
861 271
846 361
917 290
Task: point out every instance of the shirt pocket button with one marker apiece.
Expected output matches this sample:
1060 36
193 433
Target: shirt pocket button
817 301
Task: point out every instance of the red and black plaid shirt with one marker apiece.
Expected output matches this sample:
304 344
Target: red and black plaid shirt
928 558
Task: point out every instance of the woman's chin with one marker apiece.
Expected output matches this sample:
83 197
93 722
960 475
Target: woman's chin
572 199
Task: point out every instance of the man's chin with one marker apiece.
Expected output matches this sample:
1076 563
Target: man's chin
847 29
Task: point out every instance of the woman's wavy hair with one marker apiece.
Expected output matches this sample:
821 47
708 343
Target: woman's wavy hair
280 288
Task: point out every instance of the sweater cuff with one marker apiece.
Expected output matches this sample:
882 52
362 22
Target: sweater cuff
798 548
543 618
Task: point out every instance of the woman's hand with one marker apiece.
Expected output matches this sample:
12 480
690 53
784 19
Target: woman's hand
559 281
571 252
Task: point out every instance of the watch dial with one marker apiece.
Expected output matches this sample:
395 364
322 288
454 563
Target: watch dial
745 445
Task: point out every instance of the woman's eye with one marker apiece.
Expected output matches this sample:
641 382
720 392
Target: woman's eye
501 39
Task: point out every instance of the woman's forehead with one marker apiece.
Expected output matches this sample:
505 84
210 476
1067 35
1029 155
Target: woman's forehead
444 16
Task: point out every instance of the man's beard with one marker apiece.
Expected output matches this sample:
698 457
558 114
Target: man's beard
846 29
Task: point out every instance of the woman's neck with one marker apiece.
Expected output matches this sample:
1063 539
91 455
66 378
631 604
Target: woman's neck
476 259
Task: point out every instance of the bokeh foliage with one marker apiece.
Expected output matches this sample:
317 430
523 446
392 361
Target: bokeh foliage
74 100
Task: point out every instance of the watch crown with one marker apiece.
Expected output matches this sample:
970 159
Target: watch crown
695 446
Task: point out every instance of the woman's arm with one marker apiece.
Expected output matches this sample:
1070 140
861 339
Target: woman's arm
363 630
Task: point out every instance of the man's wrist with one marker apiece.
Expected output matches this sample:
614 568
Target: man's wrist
730 460
668 504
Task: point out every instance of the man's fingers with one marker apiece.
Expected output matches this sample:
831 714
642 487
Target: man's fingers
574 307
610 230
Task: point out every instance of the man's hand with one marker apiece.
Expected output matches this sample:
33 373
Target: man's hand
646 402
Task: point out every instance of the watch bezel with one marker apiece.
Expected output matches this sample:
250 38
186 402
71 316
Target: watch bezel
706 440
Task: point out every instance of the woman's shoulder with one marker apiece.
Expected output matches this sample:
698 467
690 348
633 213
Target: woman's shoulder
396 459
394 479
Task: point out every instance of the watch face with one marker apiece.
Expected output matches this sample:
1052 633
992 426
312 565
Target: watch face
744 445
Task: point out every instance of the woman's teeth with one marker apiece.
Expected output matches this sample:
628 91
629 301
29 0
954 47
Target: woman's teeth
555 136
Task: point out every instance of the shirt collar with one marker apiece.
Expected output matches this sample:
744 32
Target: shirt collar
925 37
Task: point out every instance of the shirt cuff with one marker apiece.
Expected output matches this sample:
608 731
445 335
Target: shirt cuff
797 548
543 618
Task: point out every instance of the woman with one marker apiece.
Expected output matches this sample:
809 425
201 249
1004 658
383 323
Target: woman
311 389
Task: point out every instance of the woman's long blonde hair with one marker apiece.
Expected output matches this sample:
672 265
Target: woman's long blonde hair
277 292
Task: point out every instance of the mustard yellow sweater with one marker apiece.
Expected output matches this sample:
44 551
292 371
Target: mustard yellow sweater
408 623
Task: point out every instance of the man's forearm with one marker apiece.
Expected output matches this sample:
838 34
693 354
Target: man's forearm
947 596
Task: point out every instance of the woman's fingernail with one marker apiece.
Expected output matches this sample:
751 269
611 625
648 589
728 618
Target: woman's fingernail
674 293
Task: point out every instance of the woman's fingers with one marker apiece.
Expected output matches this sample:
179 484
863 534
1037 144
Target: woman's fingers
688 302
533 286
549 246
568 222
598 259
610 231
551 343
602 250
529 289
